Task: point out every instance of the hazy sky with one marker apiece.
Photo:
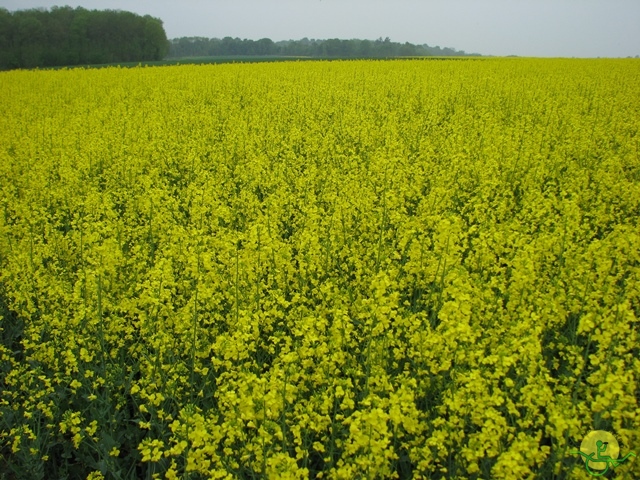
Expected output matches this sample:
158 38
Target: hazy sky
566 28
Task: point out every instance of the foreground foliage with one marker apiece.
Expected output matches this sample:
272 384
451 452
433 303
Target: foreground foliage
325 270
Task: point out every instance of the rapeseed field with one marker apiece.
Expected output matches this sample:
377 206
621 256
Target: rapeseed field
342 270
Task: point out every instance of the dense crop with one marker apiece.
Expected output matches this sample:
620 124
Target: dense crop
419 269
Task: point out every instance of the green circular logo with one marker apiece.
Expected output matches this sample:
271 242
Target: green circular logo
599 445
599 451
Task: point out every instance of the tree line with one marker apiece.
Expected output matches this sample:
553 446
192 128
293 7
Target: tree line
68 36
210 47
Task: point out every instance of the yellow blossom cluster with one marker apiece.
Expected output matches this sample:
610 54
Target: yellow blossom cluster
363 269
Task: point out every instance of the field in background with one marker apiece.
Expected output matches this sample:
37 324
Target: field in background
193 61
359 269
237 59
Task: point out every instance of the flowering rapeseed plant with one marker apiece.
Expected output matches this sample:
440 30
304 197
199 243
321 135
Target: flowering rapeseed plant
403 269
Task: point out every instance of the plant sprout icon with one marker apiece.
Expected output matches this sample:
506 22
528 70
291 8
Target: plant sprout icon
599 450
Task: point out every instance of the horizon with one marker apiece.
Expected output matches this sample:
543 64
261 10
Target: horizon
544 28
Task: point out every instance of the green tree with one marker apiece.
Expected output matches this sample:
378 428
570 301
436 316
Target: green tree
265 46
67 36
155 45
30 39
8 53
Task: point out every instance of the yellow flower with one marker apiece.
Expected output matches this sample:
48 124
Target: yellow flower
151 450
373 262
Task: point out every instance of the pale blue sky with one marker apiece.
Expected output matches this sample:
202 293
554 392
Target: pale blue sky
565 28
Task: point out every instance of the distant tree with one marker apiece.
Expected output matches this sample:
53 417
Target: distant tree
265 46
8 54
331 48
383 48
365 48
67 36
155 45
407 50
